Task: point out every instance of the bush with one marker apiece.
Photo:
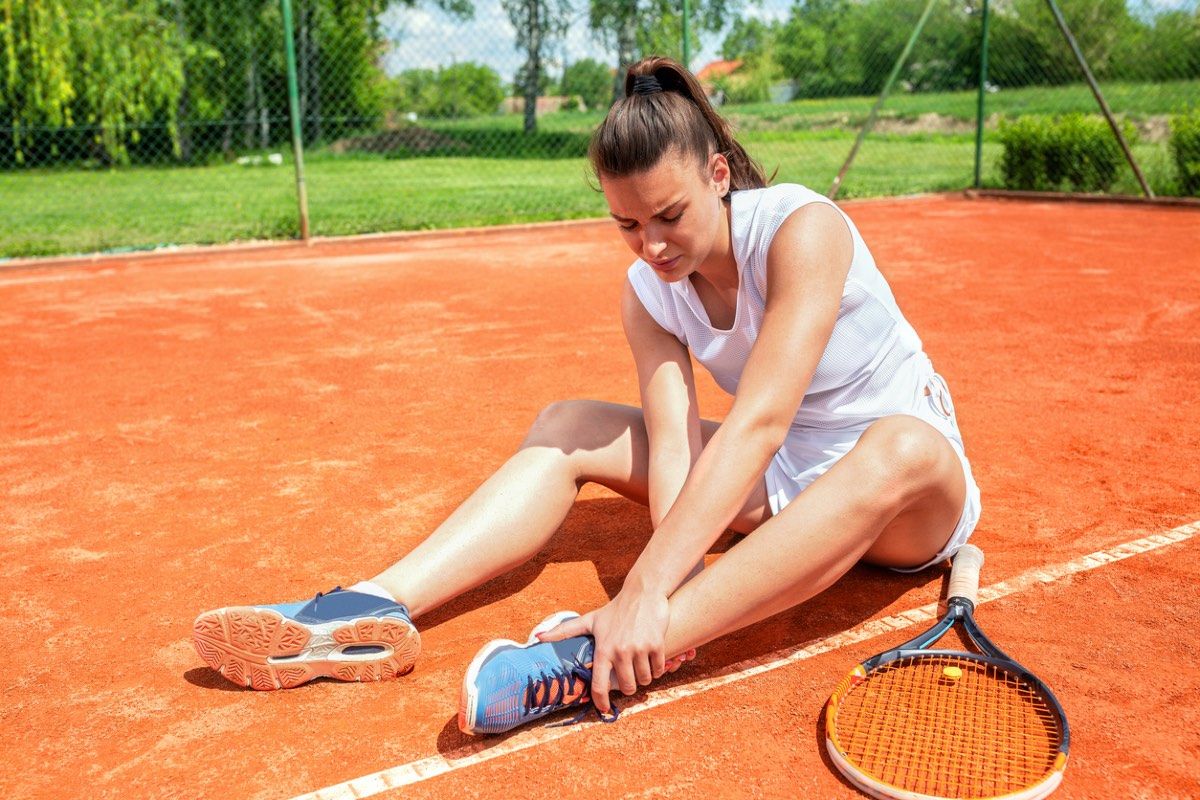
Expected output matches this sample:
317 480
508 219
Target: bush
591 80
465 89
1074 152
1028 148
1185 149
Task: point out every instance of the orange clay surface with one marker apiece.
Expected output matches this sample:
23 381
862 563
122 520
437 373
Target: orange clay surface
182 432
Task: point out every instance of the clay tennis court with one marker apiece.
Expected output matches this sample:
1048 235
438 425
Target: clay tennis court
237 425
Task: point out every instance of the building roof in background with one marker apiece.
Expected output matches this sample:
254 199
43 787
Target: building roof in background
718 69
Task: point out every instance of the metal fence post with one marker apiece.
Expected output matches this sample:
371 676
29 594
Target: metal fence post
887 87
979 112
294 113
1091 82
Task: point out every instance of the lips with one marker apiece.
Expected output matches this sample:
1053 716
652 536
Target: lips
665 266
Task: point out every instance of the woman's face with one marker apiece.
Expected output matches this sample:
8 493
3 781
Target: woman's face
671 215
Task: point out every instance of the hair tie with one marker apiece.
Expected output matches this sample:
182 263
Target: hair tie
646 84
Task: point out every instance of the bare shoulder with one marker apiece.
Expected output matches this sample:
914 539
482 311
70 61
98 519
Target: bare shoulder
814 225
639 324
813 241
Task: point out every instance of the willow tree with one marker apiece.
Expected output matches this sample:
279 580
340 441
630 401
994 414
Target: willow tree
99 66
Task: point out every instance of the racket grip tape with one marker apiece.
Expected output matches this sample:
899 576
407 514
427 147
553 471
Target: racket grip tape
964 574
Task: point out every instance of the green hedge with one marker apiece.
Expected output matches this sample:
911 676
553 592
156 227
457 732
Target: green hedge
1185 149
1074 152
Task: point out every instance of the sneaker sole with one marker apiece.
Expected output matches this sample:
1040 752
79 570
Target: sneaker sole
468 699
261 649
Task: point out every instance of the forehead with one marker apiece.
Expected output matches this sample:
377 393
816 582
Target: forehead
651 191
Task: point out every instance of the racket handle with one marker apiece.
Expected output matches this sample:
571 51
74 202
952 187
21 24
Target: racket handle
964 575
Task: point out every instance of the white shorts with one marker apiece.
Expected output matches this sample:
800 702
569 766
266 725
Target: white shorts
806 455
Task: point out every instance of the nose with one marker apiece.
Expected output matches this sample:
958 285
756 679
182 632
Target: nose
652 245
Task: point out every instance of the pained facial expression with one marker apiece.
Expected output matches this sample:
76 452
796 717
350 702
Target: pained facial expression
671 214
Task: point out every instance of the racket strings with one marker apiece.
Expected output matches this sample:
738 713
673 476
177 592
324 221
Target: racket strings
918 725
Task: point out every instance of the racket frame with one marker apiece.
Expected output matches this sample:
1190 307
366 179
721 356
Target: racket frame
959 609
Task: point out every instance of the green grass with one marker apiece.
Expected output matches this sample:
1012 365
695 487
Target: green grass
1137 100
499 175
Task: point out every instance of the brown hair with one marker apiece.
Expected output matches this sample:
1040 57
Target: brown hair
641 127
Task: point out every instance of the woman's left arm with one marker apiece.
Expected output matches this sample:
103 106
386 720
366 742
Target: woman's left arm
807 265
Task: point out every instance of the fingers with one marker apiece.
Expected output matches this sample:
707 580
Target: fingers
626 677
642 671
601 671
577 626
657 664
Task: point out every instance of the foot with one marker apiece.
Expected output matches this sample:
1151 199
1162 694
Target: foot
509 684
345 635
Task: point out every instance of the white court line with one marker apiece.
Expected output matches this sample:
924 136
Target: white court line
425 768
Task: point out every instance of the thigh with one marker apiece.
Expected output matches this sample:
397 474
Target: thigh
608 445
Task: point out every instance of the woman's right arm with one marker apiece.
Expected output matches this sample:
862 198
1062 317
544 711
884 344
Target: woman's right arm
668 391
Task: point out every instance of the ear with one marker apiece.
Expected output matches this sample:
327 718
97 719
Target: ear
719 174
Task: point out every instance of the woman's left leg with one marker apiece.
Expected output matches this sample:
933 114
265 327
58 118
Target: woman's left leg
894 500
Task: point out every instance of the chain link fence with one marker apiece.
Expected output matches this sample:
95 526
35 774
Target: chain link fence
137 123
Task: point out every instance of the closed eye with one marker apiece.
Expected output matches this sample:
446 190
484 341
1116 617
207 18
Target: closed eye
669 220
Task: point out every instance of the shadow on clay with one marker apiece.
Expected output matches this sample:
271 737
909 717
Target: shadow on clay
611 533
207 678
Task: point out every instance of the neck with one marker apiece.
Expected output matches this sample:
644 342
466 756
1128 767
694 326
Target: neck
720 267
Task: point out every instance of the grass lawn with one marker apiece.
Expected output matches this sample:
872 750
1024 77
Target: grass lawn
490 173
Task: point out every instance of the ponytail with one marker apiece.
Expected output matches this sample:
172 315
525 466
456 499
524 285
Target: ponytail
664 108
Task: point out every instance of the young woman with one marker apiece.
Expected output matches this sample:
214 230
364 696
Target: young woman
841 443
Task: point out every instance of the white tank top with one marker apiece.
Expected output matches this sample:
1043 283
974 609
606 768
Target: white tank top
873 365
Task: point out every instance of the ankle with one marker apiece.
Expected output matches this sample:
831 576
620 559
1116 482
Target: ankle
372 588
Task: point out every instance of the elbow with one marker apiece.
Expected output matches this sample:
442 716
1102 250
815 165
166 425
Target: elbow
762 434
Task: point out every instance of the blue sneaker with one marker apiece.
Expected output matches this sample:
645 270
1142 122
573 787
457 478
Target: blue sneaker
509 684
345 635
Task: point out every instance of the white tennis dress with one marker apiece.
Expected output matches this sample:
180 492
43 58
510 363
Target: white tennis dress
874 365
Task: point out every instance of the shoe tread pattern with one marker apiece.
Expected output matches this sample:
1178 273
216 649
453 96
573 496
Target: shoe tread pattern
403 638
237 642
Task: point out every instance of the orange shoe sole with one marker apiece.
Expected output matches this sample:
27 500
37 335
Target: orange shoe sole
261 649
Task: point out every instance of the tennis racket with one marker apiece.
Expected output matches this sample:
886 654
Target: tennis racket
913 722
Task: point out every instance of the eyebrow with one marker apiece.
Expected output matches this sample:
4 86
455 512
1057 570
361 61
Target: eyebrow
659 213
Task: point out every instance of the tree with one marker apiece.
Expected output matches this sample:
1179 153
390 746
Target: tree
545 84
34 91
803 54
1027 29
637 26
144 79
538 23
414 90
465 89
748 38
84 61
1166 48
468 89
590 80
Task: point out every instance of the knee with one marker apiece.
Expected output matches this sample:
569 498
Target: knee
558 424
908 456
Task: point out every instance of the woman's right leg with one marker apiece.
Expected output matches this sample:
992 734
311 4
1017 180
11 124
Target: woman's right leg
516 511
